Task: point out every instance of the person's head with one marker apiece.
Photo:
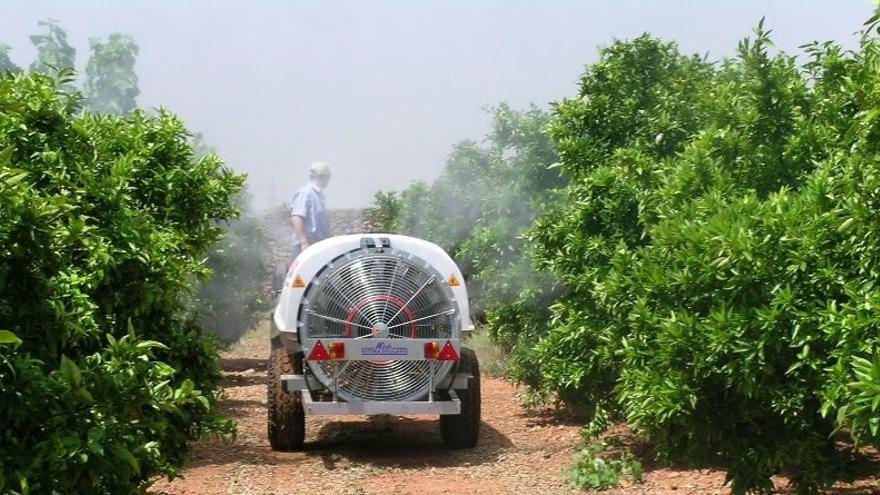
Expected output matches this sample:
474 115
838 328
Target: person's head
319 173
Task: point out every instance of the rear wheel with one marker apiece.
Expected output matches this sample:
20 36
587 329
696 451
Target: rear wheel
463 430
287 419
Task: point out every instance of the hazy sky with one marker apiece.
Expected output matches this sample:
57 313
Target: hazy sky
382 90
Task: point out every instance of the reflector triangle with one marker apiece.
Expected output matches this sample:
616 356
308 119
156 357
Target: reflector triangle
298 283
319 353
448 353
453 281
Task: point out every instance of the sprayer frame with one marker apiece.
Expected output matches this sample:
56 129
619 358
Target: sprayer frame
311 388
314 393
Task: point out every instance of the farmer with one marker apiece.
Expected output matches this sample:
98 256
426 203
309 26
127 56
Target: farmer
308 211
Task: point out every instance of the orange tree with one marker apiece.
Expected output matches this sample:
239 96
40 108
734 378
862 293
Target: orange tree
720 246
104 223
487 197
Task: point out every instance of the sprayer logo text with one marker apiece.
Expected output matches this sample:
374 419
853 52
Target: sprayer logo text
383 349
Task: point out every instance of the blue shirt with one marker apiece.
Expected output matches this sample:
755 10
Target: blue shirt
308 203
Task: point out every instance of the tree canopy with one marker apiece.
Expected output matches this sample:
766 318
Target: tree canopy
111 84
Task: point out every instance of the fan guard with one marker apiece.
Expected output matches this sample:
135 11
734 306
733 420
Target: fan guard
395 294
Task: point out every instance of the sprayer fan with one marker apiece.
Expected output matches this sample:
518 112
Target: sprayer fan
379 293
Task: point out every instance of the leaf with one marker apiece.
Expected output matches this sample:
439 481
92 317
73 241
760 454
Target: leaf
846 225
86 395
6 156
23 483
125 454
70 371
842 414
7 337
186 387
16 178
150 344
721 261
96 435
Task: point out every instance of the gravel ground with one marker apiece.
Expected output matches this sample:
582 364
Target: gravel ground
521 451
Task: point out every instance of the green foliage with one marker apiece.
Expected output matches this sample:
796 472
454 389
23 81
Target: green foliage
104 223
478 210
385 211
111 83
54 53
862 413
720 246
6 64
592 471
493 361
231 301
7 337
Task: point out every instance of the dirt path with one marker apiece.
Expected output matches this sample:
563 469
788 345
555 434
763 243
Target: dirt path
520 451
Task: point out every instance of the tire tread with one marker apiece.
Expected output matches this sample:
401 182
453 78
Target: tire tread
286 417
463 430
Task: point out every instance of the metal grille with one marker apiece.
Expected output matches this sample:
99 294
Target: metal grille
381 293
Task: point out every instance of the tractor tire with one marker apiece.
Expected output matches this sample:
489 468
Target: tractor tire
462 430
279 274
287 418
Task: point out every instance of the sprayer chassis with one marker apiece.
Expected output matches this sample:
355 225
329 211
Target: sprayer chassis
316 403
314 393
318 368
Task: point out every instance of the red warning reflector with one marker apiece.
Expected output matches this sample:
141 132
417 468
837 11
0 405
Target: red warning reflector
337 350
448 353
298 283
319 353
432 350
453 281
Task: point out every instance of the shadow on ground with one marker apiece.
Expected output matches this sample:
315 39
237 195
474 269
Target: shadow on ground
376 441
400 442
238 365
541 417
242 380
379 441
